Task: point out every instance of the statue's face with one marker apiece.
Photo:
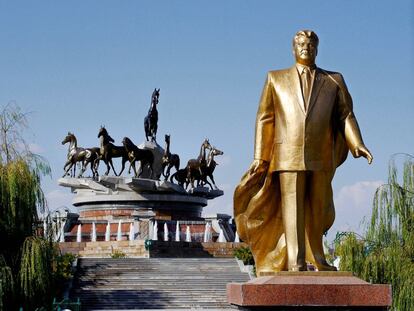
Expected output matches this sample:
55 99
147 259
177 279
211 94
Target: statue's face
305 51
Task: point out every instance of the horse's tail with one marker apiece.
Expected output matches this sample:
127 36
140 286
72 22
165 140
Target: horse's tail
173 176
96 163
177 167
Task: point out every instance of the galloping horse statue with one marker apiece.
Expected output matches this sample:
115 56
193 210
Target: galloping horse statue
109 151
207 171
181 177
169 159
195 166
151 120
77 154
145 157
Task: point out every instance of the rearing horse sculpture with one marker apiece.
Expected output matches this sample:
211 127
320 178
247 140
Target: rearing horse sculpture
151 120
181 177
77 154
195 166
144 156
109 151
169 159
207 171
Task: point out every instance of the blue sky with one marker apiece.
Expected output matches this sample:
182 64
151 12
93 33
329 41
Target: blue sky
80 64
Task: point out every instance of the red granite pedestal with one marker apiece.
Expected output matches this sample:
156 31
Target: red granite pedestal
307 290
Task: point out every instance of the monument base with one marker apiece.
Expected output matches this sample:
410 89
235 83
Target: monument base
307 290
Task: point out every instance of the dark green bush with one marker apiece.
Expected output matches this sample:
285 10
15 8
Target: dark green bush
244 254
118 254
63 266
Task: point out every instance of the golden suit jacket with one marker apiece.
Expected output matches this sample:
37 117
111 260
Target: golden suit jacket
291 137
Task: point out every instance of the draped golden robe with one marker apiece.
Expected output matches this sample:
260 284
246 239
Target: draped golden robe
290 137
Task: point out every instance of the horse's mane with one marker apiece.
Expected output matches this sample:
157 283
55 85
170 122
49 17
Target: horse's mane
128 143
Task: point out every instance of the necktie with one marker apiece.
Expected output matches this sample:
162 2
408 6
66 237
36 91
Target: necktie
306 84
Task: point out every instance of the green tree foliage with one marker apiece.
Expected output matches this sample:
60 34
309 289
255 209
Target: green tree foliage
386 254
20 198
23 257
35 275
6 282
13 146
244 254
13 122
63 265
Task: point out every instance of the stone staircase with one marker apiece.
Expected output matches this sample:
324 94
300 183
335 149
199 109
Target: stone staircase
155 283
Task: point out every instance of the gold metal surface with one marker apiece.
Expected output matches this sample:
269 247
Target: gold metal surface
304 130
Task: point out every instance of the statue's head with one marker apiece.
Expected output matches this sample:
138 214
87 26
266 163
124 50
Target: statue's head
68 138
126 141
155 96
216 151
206 144
305 47
102 131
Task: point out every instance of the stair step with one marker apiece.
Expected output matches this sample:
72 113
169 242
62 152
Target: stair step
155 283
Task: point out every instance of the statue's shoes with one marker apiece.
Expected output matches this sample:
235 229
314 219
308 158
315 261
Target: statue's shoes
325 267
298 268
265 271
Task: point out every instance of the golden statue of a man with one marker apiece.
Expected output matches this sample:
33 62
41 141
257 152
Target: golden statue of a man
305 127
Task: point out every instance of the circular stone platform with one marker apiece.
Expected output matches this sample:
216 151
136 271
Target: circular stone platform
125 196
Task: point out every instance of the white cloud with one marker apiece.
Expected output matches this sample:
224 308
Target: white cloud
35 148
223 160
58 198
352 204
223 204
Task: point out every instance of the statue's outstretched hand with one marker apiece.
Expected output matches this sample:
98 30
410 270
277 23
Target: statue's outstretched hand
258 167
364 152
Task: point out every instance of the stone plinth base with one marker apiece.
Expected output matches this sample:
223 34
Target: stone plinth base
328 290
125 197
161 249
132 249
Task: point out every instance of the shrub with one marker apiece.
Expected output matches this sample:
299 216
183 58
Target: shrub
118 254
63 266
244 254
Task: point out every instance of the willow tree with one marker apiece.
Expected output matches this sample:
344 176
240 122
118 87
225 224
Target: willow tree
385 254
21 198
6 282
35 275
